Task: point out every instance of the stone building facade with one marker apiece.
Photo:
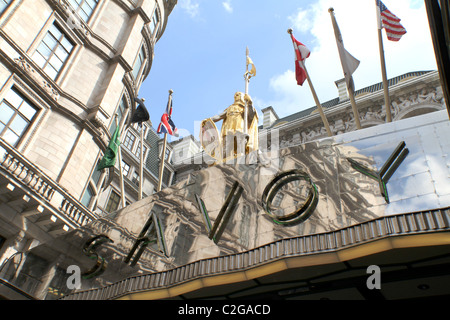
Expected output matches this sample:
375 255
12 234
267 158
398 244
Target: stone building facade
69 73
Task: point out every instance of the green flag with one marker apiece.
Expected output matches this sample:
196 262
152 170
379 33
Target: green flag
109 158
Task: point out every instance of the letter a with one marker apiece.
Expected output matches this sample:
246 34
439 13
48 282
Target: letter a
74 281
374 281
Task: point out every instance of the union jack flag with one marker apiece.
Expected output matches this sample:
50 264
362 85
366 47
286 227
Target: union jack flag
390 22
166 125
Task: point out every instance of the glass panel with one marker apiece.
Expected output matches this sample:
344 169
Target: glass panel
27 110
52 73
83 15
5 113
113 202
61 53
91 3
13 99
18 125
67 44
55 62
10 137
50 41
87 196
44 50
96 176
3 5
55 31
40 61
73 3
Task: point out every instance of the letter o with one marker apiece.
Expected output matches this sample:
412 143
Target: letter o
300 214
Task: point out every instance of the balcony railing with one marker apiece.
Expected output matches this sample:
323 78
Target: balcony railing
15 166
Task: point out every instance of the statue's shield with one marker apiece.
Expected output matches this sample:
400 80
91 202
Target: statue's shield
210 139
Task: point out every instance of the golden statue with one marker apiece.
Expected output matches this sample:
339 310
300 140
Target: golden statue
234 140
239 132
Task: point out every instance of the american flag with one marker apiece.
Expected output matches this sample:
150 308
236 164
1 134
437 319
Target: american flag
390 22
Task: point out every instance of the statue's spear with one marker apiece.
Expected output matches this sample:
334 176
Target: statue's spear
248 74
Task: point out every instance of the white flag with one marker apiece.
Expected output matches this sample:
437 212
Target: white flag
349 63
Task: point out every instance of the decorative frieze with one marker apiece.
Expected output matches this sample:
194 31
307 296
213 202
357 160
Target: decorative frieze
372 112
23 64
72 18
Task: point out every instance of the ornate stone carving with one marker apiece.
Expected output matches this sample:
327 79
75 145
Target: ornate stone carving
72 18
24 65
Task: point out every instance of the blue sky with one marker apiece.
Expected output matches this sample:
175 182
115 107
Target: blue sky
201 55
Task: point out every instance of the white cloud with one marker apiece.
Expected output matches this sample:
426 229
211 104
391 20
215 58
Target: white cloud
414 52
191 7
227 6
301 20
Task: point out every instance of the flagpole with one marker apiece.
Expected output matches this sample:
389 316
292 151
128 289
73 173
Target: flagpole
354 107
349 88
316 99
163 154
119 158
387 102
141 164
247 80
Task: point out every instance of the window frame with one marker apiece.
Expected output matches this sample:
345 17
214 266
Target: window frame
141 60
126 168
122 107
80 8
7 3
17 112
109 202
89 194
155 27
128 139
36 54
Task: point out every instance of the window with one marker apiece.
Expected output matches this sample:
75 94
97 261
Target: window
129 140
4 4
138 63
167 176
120 112
96 175
87 197
135 178
166 157
125 168
16 115
155 21
84 8
138 150
113 202
53 51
